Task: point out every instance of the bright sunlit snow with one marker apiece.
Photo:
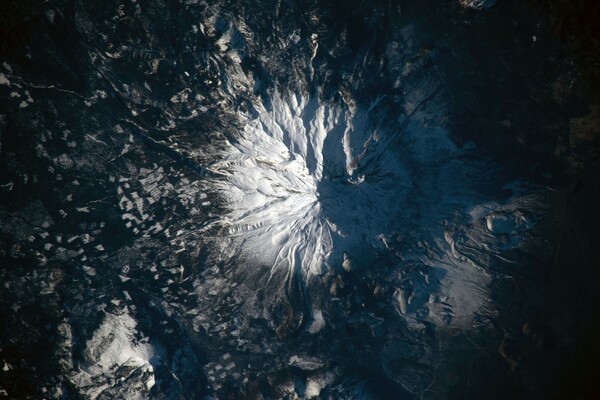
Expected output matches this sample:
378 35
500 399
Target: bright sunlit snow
309 182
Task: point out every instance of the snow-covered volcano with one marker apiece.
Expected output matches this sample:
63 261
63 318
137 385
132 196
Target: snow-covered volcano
313 186
310 181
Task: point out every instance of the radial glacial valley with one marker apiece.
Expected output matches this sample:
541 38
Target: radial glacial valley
276 199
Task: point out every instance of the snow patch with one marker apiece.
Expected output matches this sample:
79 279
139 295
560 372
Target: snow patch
4 80
115 355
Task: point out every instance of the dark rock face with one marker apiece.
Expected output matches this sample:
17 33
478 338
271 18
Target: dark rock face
289 199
